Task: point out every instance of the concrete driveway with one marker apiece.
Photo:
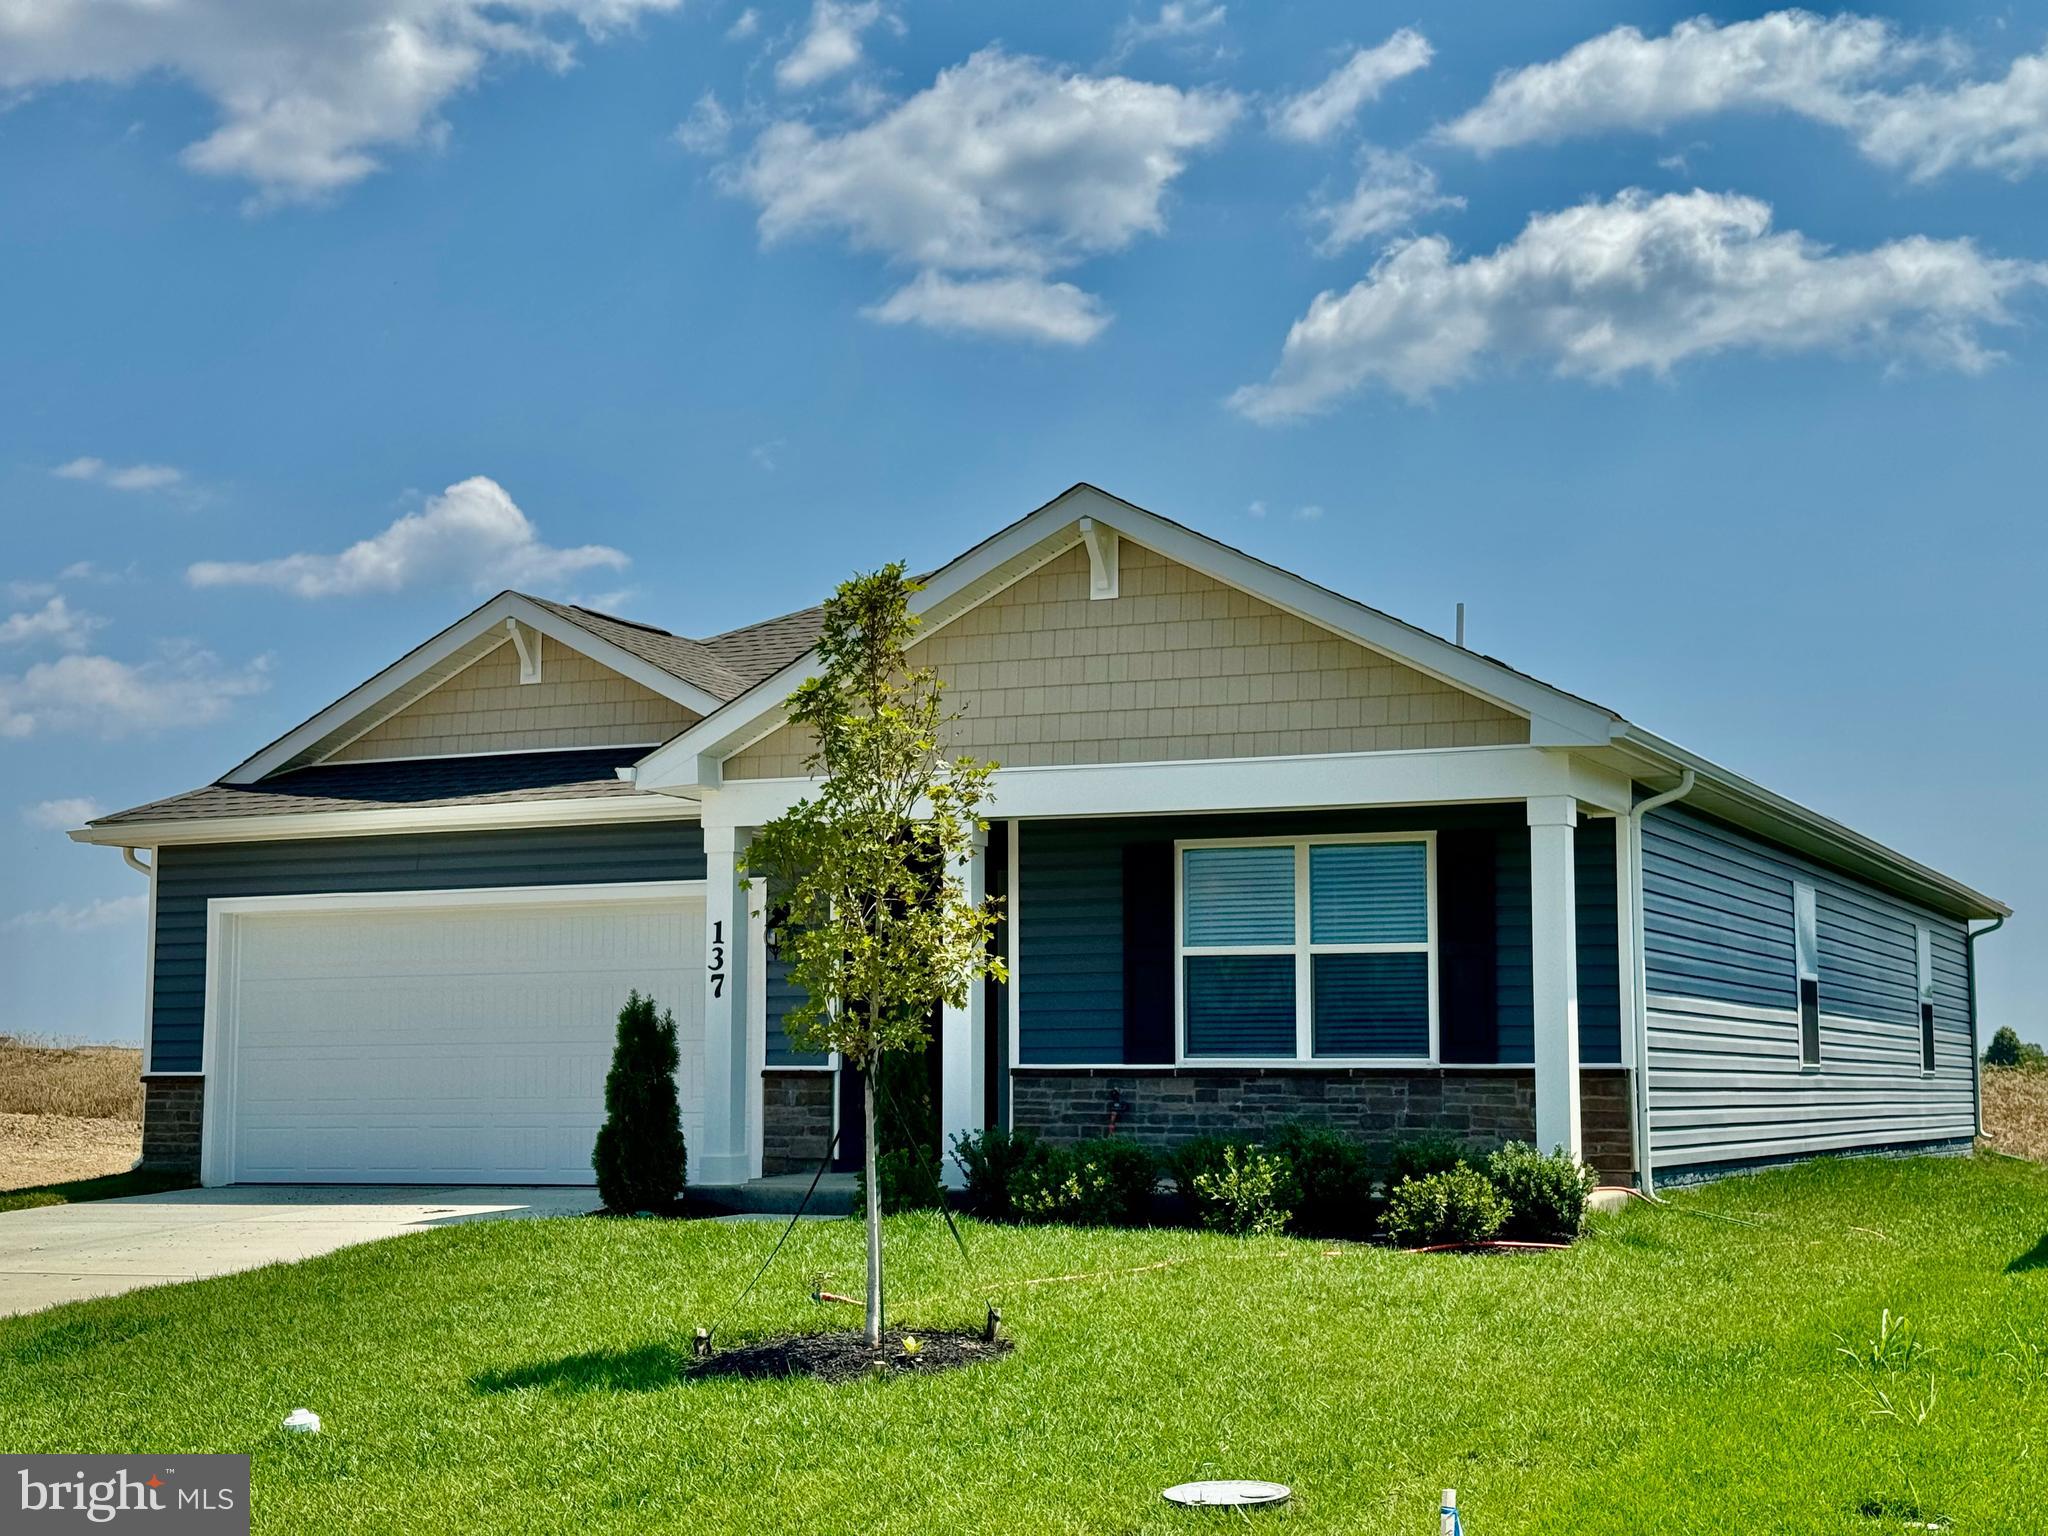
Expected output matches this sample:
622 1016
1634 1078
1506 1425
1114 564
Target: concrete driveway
61 1253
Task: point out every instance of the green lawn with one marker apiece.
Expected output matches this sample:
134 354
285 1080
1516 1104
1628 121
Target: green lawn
1675 1372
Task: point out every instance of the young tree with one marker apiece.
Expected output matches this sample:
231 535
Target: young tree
879 929
639 1157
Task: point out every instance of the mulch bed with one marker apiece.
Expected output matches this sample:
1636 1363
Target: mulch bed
846 1356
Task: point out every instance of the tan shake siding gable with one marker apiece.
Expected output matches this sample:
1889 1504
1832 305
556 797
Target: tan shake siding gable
485 708
1179 666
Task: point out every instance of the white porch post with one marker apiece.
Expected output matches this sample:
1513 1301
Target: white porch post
963 1038
1554 969
729 1098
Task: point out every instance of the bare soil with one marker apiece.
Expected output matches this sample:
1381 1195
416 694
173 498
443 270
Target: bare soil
2016 1110
846 1356
67 1112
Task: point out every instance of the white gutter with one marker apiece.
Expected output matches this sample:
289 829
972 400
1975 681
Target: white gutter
1639 983
1976 1059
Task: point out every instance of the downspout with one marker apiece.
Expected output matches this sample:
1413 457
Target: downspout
1639 983
1976 1059
128 858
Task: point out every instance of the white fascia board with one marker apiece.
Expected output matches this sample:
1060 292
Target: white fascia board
1555 718
1437 776
487 622
506 815
1749 804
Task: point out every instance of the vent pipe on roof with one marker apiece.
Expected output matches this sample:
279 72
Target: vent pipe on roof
1461 626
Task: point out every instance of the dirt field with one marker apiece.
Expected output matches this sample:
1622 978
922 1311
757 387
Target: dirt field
2016 1110
67 1112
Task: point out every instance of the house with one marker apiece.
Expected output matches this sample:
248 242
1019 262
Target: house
1266 853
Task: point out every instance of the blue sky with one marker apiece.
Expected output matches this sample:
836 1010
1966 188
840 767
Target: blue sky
1704 365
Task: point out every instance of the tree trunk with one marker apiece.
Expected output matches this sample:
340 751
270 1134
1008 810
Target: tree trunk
874 1216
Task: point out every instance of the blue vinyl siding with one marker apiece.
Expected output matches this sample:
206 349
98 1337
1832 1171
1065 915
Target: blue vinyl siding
1071 923
1598 918
1070 942
187 877
1726 1083
1515 981
781 995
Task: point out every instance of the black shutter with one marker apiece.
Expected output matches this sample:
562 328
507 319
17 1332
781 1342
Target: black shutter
1148 952
1467 959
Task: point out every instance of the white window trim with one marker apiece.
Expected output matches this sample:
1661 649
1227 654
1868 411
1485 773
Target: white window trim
1806 967
1305 950
1927 1030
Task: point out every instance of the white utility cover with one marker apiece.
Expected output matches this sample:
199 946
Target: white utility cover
447 1044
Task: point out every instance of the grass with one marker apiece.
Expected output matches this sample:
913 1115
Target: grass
2016 1110
84 1082
1723 1364
112 1186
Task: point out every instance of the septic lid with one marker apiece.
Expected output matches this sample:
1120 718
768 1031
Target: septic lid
1227 1491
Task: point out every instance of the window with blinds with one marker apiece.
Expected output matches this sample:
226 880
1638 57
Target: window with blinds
1308 949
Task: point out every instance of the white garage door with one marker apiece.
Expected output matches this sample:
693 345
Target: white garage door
430 1043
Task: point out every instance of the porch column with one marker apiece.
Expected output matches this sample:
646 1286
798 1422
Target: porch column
963 1038
729 1106
1554 970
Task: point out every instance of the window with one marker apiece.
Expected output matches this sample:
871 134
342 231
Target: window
1924 955
1806 953
1313 948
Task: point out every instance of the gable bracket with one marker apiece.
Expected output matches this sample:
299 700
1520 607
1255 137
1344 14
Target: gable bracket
1102 548
527 643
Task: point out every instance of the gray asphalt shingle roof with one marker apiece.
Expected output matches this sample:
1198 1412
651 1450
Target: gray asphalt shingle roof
579 774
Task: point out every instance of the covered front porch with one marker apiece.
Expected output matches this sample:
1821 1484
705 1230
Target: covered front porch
1392 942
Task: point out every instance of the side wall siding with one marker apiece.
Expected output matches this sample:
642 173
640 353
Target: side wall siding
187 877
1077 924
1726 1083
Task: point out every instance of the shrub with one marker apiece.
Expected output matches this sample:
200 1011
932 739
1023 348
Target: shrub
1546 1196
2007 1049
1458 1205
1417 1157
992 1161
1246 1194
1332 1180
639 1158
1204 1154
1107 1182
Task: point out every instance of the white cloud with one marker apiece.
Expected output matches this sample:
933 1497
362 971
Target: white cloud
101 912
55 623
1003 167
1178 21
830 44
1308 514
744 25
1393 191
1636 284
60 815
1021 308
121 477
1256 510
1838 71
1319 114
471 533
307 94
1988 125
182 685
706 129
29 591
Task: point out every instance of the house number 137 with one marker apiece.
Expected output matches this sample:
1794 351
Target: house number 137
717 965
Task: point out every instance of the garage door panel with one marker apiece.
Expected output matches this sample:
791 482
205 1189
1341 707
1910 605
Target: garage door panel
448 1043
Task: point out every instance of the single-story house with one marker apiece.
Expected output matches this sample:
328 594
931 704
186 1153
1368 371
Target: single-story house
1265 853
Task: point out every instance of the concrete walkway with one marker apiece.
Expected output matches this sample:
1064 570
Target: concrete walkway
60 1253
